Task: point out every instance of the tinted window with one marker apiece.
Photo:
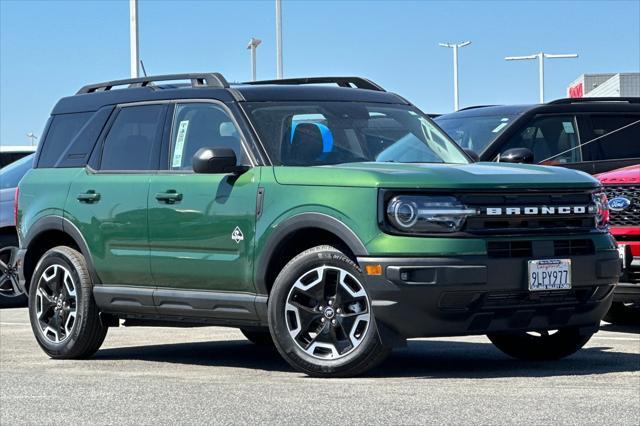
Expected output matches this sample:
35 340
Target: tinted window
200 125
61 132
130 143
474 132
624 143
552 139
10 176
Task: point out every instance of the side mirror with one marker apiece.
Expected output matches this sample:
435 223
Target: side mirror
471 153
216 160
516 155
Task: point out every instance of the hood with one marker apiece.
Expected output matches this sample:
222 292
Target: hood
455 176
629 174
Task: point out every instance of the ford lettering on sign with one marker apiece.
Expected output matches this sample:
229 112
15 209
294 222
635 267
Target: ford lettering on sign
618 204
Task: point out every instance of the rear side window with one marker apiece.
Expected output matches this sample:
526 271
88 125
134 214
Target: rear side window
63 129
133 140
552 139
623 143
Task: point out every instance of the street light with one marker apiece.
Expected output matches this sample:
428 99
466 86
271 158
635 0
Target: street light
455 47
279 39
32 137
253 44
541 56
133 38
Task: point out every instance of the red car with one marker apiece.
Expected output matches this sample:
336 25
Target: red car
623 190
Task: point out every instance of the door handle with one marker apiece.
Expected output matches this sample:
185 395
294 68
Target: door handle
169 197
89 197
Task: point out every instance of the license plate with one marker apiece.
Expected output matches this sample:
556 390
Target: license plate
549 274
622 252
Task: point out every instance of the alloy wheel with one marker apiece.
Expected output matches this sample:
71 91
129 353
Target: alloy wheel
56 303
9 273
327 312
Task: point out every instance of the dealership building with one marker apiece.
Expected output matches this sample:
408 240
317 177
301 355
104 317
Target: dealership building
621 84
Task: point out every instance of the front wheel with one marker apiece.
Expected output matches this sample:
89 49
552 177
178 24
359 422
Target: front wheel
320 316
64 316
540 346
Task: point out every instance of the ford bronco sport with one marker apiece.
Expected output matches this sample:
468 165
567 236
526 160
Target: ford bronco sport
333 222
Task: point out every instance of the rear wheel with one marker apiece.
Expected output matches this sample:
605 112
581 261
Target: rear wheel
64 316
10 294
320 316
624 314
540 346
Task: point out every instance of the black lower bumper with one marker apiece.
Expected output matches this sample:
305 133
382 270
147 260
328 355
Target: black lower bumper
421 297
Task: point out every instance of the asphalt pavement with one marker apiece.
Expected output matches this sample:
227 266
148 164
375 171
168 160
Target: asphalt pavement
213 375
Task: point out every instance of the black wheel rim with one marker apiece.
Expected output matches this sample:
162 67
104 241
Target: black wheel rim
9 273
327 312
56 303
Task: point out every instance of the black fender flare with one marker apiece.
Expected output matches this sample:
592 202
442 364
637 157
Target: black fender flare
61 224
295 223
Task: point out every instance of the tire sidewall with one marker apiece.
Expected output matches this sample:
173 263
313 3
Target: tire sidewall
77 270
280 333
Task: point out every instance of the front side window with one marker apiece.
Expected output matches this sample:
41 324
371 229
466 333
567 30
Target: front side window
618 137
552 139
320 133
201 125
130 143
475 132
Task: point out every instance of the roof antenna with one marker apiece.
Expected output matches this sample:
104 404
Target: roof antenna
143 70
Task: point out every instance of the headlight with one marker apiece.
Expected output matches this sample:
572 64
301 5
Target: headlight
415 214
602 209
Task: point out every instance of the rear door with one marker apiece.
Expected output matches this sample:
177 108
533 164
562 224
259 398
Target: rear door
612 141
108 202
201 226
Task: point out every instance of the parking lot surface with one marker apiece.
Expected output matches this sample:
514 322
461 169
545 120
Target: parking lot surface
212 375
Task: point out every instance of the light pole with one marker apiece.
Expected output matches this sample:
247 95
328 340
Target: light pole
455 47
541 56
278 39
253 45
32 138
133 38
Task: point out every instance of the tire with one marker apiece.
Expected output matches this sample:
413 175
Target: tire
320 316
258 337
61 289
10 297
544 346
623 314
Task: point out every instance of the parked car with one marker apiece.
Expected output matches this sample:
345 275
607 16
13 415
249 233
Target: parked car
10 295
623 189
11 153
581 134
333 222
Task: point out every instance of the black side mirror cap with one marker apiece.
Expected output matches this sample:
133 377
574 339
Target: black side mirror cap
216 160
471 153
516 155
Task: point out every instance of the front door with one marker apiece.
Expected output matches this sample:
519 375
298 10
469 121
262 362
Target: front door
201 226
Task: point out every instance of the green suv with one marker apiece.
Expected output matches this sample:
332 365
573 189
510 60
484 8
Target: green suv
323 215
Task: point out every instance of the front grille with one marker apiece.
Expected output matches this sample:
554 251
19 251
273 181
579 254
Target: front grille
629 216
507 249
530 223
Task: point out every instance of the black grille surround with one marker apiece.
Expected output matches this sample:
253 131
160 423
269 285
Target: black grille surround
485 225
631 215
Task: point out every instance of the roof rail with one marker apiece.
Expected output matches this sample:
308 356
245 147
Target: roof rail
213 79
358 82
629 100
476 106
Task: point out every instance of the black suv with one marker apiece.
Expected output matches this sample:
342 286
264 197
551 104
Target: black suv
593 135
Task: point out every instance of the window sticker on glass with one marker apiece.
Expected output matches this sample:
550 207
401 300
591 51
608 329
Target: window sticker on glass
568 127
179 146
499 127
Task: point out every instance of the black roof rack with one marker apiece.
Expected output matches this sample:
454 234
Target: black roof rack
629 100
213 79
358 82
476 106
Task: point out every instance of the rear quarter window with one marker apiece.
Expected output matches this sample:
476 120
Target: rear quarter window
62 130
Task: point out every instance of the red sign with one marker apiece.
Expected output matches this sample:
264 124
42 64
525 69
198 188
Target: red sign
576 91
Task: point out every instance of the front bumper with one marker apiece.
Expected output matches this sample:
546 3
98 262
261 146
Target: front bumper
463 295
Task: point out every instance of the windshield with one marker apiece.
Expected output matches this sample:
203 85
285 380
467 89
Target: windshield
318 133
10 175
474 132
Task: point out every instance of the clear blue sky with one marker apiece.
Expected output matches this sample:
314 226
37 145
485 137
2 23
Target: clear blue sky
49 49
